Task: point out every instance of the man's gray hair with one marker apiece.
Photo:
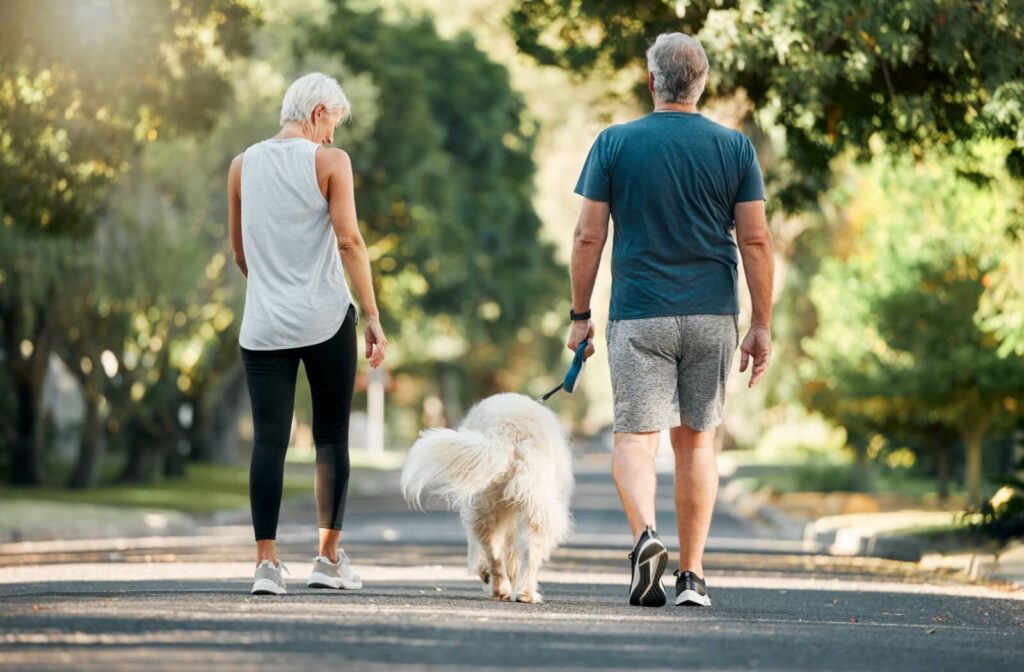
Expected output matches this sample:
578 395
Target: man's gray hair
680 68
307 92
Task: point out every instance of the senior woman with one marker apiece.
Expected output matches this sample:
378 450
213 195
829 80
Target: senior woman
294 233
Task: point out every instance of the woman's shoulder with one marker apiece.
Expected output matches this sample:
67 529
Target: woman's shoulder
329 159
235 169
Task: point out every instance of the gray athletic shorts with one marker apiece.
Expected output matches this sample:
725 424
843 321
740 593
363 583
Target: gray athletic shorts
668 371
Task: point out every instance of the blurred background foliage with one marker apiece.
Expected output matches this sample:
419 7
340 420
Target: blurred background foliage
892 135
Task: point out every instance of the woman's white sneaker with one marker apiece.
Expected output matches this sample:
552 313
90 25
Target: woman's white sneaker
268 580
338 575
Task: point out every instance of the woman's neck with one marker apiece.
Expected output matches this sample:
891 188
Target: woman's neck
293 129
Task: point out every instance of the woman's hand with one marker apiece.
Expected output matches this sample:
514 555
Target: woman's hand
376 342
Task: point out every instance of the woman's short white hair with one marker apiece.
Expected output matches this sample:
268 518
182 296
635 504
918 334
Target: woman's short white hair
679 66
311 90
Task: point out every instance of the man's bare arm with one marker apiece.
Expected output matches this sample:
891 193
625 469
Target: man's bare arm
755 244
587 245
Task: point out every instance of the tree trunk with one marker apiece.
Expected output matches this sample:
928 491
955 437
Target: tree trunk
942 465
225 416
143 456
974 439
861 465
448 377
174 460
28 376
28 442
201 446
86 466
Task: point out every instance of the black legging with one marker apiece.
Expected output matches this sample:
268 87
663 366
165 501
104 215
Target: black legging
270 374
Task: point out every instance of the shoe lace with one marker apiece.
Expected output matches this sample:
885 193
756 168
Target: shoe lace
280 565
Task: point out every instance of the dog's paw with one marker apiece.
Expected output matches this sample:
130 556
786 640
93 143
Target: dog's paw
502 590
530 598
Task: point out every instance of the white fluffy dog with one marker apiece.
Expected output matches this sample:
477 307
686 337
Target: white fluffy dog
507 469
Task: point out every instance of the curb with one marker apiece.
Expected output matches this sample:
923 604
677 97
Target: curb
752 507
851 536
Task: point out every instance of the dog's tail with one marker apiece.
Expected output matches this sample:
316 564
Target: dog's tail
453 464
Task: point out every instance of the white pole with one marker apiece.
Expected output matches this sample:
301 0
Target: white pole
375 412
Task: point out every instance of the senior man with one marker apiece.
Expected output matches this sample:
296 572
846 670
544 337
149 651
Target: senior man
677 185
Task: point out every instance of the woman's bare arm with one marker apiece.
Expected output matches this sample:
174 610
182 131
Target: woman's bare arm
354 257
235 213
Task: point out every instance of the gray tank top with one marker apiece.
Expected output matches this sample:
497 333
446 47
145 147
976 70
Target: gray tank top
296 293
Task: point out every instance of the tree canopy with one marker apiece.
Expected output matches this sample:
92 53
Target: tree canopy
831 74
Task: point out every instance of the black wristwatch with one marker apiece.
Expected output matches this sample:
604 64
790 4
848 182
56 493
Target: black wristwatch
579 317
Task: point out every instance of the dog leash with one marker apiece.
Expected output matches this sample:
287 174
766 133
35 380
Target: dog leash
572 376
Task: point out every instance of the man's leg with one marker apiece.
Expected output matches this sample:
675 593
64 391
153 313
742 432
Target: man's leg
635 477
696 488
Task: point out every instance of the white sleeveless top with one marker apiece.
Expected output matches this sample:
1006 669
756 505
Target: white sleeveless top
296 293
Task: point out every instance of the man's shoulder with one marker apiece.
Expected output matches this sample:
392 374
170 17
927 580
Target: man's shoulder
650 123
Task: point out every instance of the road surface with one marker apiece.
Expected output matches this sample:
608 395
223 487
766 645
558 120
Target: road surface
183 603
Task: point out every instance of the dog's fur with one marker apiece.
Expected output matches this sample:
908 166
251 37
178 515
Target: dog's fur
508 471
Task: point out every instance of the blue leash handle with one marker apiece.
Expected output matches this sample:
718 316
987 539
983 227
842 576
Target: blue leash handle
571 380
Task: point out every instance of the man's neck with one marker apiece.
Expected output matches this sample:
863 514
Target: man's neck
675 107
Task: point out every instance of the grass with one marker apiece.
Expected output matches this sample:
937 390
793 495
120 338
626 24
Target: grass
820 475
206 488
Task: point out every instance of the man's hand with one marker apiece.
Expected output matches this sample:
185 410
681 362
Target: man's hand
582 330
757 344
376 342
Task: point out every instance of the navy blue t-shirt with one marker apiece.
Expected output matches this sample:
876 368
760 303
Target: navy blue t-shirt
671 180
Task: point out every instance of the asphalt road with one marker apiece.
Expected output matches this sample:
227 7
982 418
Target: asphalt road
183 604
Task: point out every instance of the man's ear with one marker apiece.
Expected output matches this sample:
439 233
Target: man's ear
650 82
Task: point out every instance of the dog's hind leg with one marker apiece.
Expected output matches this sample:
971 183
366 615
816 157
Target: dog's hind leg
537 550
513 552
489 527
477 562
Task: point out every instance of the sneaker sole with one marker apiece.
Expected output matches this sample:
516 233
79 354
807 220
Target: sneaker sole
647 590
318 580
691 598
267 587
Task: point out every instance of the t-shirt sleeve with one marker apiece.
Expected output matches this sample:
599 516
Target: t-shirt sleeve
595 178
751 180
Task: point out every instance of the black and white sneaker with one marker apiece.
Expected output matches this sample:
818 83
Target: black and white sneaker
648 561
691 590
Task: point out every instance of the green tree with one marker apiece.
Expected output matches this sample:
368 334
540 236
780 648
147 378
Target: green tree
82 87
444 188
897 346
830 74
